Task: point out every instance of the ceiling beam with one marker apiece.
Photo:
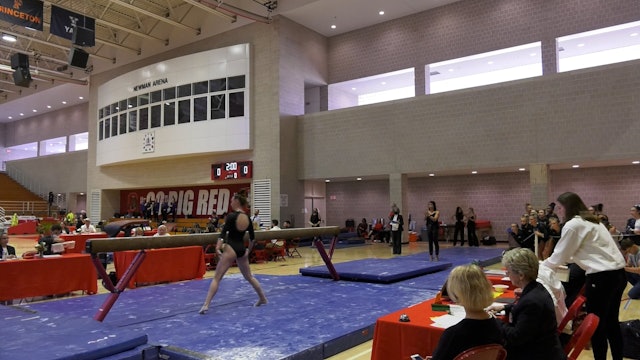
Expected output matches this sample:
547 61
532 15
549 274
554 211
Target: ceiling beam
156 16
211 10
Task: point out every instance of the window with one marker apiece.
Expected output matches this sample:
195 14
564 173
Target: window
133 102
218 85
18 152
236 82
155 116
599 47
200 88
236 104
123 123
493 67
53 146
200 109
218 107
184 90
169 113
184 111
156 96
144 118
133 121
169 93
143 99
101 130
107 128
79 141
373 89
114 126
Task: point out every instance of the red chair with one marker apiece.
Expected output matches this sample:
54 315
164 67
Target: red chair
581 336
572 313
210 257
483 352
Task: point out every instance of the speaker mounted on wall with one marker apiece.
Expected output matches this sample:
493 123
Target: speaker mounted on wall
78 58
83 36
22 77
19 60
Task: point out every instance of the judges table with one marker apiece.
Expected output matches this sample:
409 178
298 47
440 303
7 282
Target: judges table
81 240
48 276
396 340
163 265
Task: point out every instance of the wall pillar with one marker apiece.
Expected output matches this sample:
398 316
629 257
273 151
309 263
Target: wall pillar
398 185
539 180
549 56
420 79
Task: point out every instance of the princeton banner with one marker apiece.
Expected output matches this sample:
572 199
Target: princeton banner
64 21
27 13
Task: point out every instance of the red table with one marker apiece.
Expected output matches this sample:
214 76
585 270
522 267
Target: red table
48 276
81 240
159 265
498 279
395 340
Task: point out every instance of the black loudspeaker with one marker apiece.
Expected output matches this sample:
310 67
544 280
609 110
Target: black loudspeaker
19 60
22 77
78 58
83 37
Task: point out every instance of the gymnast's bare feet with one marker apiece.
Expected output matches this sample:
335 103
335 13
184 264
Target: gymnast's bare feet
261 302
203 310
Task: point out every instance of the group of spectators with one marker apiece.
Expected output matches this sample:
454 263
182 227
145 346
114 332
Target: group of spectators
158 210
601 259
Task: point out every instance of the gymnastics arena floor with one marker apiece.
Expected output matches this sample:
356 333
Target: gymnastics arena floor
306 318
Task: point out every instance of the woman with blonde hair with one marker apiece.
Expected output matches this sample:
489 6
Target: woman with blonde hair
531 333
468 286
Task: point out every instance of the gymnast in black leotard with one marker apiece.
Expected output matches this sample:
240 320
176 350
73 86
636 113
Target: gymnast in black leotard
236 225
231 236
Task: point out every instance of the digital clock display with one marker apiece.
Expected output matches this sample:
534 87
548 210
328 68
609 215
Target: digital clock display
232 170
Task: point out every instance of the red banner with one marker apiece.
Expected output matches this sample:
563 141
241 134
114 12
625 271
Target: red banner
192 201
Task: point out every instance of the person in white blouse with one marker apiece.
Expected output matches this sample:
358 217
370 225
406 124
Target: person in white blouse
587 242
87 228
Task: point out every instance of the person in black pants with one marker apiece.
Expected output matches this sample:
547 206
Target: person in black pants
432 216
587 242
397 226
459 229
471 228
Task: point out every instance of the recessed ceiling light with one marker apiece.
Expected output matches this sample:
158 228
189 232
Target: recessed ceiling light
34 110
81 97
21 114
64 102
474 172
384 83
9 38
522 169
633 34
533 54
48 106
580 45
450 70
633 162
432 174
327 180
354 89
381 12
10 117
490 62
333 26
130 106
359 179
575 166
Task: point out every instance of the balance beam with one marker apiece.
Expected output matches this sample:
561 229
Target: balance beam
97 246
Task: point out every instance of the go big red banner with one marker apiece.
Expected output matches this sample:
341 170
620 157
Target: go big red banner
193 201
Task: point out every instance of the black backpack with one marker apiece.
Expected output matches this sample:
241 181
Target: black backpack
631 338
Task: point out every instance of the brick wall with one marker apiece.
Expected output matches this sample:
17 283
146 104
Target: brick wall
499 198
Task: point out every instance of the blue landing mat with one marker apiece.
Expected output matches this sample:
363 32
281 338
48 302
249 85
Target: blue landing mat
406 267
42 335
306 318
378 270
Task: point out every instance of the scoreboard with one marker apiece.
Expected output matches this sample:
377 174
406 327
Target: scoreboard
232 170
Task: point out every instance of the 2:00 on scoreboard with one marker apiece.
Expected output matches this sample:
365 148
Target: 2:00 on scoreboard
232 170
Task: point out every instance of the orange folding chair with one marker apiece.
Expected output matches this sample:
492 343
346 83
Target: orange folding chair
581 336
